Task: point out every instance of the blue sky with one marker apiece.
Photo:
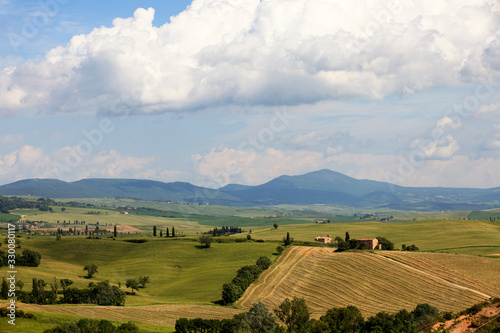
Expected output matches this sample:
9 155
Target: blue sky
245 91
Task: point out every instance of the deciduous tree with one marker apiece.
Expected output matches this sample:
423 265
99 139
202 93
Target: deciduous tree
91 270
294 314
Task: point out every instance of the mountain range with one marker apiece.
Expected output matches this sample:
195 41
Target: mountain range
319 187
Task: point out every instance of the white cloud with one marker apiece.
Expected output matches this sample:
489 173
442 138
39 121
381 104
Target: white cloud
432 149
221 52
445 122
219 168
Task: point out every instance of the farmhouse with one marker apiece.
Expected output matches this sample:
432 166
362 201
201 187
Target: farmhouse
124 213
369 243
322 239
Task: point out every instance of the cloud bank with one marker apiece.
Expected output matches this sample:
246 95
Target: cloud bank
269 52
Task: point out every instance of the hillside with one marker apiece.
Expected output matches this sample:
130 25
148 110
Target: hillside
320 187
374 282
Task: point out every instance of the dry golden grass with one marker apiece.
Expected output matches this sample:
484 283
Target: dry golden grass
152 314
374 282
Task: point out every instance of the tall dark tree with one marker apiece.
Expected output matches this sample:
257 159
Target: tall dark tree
154 231
168 234
5 289
347 237
287 240
173 232
114 231
161 233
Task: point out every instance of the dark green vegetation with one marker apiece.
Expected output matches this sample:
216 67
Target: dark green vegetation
245 276
101 293
295 315
94 326
27 258
320 187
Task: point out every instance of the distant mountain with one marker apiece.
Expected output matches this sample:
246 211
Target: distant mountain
122 188
319 187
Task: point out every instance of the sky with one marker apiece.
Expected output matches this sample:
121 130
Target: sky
214 92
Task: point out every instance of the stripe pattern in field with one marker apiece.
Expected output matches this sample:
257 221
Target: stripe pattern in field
372 281
153 314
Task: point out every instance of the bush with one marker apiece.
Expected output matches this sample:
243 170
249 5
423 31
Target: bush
231 293
264 263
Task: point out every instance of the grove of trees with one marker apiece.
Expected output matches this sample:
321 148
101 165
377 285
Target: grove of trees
294 314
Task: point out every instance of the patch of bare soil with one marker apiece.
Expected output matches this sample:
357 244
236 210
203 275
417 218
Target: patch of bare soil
470 323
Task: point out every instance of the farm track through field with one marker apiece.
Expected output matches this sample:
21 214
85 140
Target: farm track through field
374 282
152 314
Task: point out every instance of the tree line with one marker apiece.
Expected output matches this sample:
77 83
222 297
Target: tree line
10 203
94 326
294 314
100 293
245 276
28 258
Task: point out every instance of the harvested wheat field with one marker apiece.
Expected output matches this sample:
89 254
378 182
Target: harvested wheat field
376 281
152 314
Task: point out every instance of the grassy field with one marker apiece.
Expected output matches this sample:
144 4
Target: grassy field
455 236
375 281
9 217
180 271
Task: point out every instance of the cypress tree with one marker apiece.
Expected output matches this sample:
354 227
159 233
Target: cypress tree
161 233
5 289
173 232
154 231
347 237
168 234
114 231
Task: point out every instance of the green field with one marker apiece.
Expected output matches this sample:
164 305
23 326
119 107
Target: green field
9 217
180 271
435 235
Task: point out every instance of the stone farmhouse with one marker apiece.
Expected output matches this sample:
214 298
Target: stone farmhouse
322 239
370 243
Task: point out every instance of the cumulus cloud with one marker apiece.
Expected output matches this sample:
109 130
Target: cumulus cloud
251 52
225 166
444 148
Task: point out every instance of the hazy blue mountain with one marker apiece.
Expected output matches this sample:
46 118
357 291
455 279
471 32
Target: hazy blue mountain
319 187
123 188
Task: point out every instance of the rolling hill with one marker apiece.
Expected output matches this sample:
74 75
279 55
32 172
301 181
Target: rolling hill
319 187
374 282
